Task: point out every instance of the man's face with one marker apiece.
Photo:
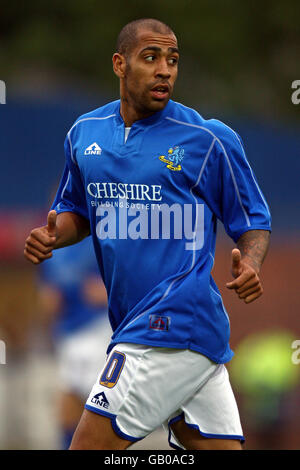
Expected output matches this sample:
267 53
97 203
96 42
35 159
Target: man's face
151 72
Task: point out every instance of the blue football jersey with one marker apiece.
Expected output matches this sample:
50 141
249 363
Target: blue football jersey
153 204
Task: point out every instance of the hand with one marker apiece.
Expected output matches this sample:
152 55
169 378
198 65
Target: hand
41 241
247 283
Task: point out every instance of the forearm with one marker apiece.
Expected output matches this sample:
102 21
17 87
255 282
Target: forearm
253 246
71 228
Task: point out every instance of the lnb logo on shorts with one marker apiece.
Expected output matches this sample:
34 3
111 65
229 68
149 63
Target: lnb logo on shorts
93 149
100 400
158 322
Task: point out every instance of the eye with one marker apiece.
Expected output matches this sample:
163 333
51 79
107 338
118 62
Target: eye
173 61
149 58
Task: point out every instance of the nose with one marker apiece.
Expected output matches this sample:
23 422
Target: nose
162 70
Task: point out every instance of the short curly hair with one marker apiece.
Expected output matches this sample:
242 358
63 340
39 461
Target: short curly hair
127 37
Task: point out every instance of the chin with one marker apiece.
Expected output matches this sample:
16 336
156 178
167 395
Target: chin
159 105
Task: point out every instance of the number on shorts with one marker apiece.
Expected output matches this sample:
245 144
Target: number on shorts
113 369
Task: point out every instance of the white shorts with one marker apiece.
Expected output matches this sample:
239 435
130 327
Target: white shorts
81 355
142 387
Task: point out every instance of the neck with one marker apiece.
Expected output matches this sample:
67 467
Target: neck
130 114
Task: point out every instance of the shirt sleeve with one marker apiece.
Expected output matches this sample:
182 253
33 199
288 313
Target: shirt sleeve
70 196
231 189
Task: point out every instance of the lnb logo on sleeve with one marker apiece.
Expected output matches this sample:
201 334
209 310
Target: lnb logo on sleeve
2 352
2 92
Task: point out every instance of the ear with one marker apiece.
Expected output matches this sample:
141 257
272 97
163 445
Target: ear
119 65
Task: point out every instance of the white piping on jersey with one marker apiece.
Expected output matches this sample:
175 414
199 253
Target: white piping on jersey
212 259
203 165
227 159
65 186
194 243
81 120
224 309
258 188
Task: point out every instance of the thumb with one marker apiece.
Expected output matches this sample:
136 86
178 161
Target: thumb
51 223
236 260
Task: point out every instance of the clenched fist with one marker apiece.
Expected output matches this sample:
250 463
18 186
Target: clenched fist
41 241
247 283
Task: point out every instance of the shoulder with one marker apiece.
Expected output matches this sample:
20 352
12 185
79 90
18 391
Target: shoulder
224 134
213 128
185 116
97 115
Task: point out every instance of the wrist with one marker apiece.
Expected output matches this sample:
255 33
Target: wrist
252 262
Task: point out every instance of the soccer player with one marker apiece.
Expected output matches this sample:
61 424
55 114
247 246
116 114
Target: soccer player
148 178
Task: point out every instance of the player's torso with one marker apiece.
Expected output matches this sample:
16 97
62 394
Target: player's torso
159 164
150 270
143 202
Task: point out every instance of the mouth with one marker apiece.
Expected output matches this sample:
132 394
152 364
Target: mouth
160 91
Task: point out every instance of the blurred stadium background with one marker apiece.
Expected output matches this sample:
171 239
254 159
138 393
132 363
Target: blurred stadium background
238 62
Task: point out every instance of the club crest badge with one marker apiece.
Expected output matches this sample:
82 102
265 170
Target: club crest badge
174 158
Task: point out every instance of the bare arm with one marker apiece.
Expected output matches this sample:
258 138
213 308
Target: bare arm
61 230
247 260
253 246
70 228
